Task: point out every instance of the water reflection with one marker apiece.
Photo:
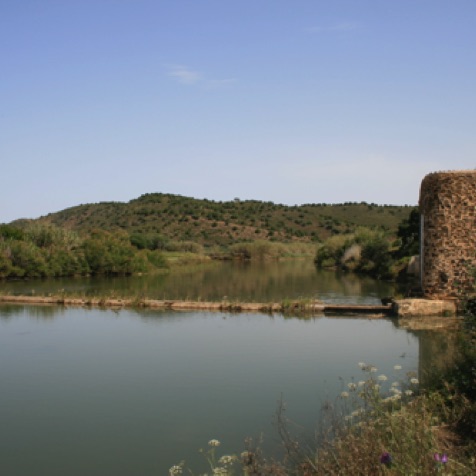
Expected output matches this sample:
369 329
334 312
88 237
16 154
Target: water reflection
9 311
253 282
437 352
135 391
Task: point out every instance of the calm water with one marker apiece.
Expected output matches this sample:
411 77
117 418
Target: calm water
254 282
126 393
99 392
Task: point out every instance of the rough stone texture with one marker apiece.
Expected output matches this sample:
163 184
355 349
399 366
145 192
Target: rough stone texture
448 210
424 307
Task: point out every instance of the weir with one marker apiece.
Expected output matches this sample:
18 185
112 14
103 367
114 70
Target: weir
396 308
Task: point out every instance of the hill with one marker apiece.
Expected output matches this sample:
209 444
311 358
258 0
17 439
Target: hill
211 223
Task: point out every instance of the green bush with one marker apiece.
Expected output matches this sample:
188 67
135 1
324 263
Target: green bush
106 253
332 251
258 250
28 260
365 251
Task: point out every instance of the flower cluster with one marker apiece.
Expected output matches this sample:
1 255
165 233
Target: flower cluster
176 470
226 459
374 394
443 458
220 471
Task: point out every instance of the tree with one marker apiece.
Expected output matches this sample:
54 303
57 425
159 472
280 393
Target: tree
409 235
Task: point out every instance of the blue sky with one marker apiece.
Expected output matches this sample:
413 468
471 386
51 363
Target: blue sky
290 101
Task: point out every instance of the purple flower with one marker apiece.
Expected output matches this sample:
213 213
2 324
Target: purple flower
444 458
386 458
441 458
437 458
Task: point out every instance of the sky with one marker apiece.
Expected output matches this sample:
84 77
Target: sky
289 101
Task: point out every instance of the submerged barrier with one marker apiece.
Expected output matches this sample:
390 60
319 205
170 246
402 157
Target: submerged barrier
405 308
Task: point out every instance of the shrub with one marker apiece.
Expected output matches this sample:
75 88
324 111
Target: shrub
365 251
110 254
258 250
331 252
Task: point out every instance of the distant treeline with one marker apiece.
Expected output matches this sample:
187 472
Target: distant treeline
40 250
113 238
210 224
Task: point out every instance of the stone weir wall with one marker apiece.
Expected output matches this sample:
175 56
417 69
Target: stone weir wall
448 242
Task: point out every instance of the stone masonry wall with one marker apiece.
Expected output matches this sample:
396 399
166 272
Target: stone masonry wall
448 210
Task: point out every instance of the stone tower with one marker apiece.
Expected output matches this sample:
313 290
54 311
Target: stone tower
448 232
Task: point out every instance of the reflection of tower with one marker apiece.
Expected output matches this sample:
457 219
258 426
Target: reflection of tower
437 351
448 241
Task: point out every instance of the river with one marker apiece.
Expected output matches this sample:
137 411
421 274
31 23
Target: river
103 392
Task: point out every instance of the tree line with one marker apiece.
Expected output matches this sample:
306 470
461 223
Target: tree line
40 250
37 249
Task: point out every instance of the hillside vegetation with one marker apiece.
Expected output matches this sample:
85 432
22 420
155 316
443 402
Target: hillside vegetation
165 217
159 230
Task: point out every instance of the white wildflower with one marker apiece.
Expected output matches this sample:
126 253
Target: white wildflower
397 367
214 443
175 470
373 369
352 386
226 459
222 471
396 384
344 395
382 378
414 381
408 393
362 365
361 383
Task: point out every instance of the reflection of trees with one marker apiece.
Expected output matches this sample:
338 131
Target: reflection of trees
271 281
8 311
264 282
